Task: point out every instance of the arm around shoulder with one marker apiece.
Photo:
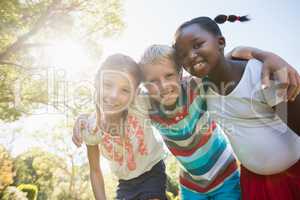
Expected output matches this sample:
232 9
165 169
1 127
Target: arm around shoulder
273 65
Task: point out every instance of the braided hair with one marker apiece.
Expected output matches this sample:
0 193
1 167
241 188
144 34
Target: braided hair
220 19
211 25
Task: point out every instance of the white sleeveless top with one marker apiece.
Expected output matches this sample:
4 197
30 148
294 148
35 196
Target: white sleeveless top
136 152
262 142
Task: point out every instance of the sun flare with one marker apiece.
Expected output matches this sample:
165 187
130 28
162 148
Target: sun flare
68 55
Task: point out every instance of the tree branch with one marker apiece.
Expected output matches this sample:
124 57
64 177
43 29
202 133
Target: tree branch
36 27
16 65
72 7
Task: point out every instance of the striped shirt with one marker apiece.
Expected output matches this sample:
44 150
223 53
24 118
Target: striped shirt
198 143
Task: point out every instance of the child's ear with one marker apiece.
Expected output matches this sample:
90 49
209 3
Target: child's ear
222 42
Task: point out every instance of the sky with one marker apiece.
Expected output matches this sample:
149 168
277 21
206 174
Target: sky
274 25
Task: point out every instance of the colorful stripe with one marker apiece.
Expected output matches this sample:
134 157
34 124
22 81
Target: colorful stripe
219 180
228 190
197 142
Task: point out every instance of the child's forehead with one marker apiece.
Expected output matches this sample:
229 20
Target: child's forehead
114 75
165 63
190 34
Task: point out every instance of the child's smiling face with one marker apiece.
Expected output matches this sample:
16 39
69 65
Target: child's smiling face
117 91
198 50
162 82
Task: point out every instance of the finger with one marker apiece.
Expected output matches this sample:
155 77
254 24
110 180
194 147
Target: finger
95 130
297 87
76 131
265 78
282 91
292 88
78 144
83 123
283 78
82 126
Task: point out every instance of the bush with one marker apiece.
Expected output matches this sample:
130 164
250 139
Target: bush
30 189
6 169
13 193
37 167
170 196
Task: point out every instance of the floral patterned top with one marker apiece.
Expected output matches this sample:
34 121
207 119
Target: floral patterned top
135 151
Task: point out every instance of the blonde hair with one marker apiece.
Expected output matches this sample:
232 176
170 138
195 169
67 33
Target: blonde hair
157 54
118 62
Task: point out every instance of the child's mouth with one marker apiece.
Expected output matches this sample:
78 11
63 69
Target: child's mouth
110 106
199 66
170 96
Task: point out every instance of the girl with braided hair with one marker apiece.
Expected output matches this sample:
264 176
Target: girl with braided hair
265 141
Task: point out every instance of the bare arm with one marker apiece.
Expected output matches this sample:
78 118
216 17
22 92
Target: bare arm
95 172
243 52
272 65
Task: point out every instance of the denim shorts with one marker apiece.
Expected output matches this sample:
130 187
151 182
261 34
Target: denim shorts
149 185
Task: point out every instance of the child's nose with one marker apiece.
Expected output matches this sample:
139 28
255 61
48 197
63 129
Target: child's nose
165 84
113 94
192 55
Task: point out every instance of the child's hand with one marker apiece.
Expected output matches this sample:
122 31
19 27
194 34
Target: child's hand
81 123
283 72
272 65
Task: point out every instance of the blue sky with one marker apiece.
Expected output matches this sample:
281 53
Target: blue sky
274 25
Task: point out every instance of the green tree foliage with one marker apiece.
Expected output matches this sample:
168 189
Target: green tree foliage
6 169
72 177
37 167
172 169
27 27
30 190
55 177
73 186
12 193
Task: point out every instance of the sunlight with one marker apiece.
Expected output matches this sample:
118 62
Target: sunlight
68 55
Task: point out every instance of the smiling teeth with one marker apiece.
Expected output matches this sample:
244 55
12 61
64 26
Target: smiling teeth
199 65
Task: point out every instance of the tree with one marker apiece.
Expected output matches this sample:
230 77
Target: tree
37 167
12 193
27 27
6 169
30 190
172 170
71 177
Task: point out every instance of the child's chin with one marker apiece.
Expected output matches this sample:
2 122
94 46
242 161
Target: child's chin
201 74
171 102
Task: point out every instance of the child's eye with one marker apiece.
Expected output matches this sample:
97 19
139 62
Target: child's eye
169 76
153 81
197 45
125 90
